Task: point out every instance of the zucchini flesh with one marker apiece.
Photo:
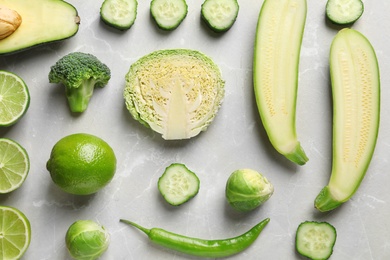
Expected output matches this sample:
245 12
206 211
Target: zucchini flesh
315 240
344 11
356 104
276 60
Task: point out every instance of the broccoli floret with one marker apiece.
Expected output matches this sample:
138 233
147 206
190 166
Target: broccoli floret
80 73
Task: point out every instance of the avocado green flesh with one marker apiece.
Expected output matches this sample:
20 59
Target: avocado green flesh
276 59
356 102
43 21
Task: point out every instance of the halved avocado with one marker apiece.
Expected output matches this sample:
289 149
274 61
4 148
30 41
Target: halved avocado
43 21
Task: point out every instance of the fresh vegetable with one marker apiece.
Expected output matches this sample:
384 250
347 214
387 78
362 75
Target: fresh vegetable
10 21
120 14
178 184
42 21
15 233
168 14
220 15
14 98
344 12
356 103
14 165
315 240
177 93
81 164
86 239
201 247
247 189
80 73
275 72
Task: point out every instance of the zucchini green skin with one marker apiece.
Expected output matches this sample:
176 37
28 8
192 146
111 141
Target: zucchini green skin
275 72
355 81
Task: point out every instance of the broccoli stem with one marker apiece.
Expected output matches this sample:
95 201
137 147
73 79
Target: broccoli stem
78 98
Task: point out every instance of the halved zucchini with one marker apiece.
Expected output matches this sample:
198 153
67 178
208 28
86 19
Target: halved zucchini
43 21
276 61
356 103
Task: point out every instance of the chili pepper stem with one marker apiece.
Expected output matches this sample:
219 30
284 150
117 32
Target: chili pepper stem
145 230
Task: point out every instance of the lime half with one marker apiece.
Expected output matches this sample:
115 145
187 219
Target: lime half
14 165
15 233
14 98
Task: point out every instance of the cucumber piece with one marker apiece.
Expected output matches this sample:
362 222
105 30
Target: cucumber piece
315 240
120 14
344 12
178 184
355 81
168 14
275 72
219 15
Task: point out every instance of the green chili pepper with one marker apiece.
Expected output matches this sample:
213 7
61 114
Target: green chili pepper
201 247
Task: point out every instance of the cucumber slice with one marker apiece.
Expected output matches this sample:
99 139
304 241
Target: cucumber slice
120 14
356 103
178 184
220 15
344 11
168 14
275 72
315 240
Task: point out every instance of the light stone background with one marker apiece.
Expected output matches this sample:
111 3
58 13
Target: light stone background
236 139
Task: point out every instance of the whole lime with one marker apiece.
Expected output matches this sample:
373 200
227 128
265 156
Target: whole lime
81 164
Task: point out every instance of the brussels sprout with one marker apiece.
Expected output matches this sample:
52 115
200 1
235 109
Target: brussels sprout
247 189
85 239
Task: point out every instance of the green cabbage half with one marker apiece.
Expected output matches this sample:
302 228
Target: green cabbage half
177 92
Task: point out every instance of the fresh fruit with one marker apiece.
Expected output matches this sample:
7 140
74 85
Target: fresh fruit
15 233
43 21
178 184
355 82
14 165
14 98
275 73
10 21
81 164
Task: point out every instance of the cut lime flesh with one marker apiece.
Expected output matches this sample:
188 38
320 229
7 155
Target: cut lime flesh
15 233
14 98
14 165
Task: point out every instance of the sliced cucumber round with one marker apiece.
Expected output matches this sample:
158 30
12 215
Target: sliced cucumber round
220 15
178 184
344 11
120 14
168 14
315 240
